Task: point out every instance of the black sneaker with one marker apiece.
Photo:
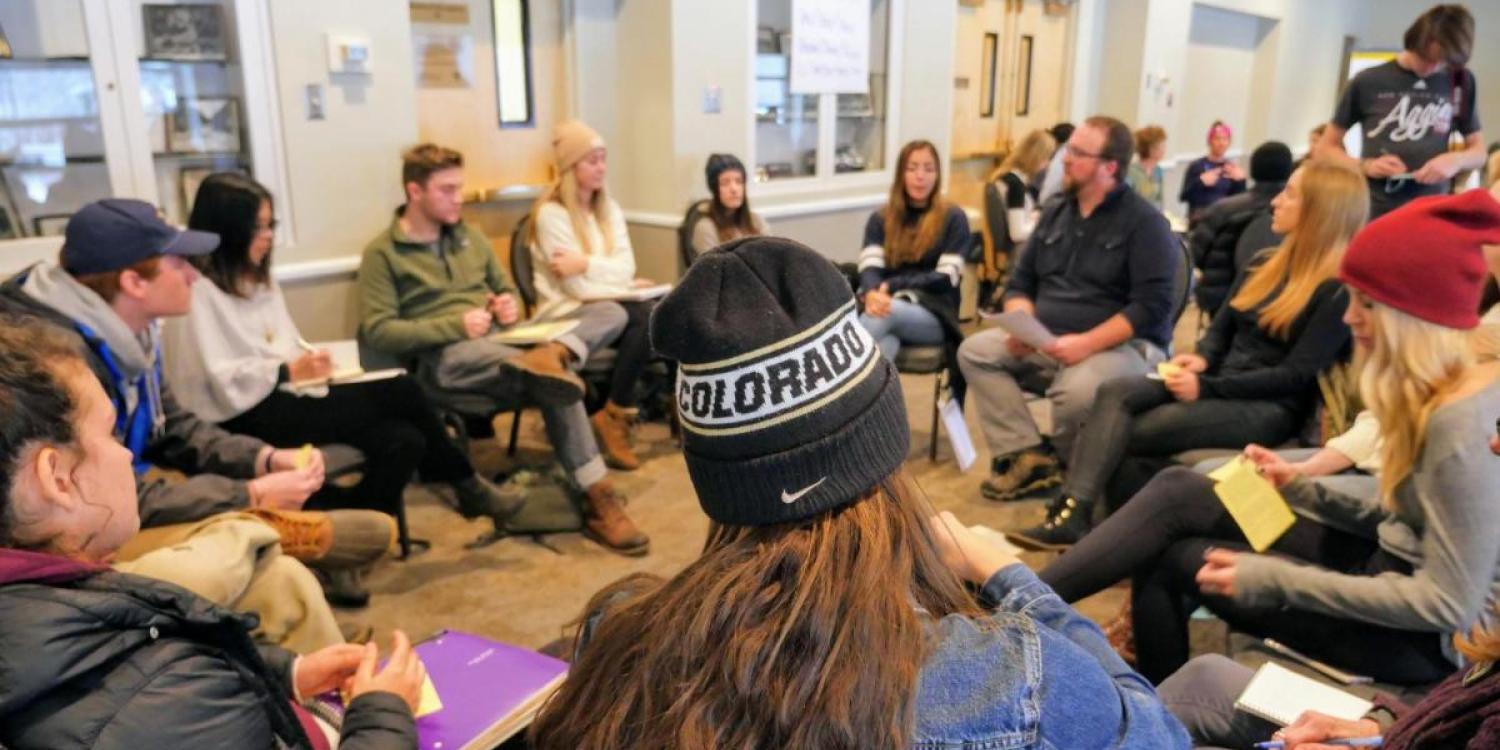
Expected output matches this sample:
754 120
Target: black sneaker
1025 472
1067 522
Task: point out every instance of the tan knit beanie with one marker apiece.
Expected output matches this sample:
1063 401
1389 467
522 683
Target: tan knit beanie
571 141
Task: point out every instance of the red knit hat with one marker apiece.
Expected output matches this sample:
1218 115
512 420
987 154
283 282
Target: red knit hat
1424 258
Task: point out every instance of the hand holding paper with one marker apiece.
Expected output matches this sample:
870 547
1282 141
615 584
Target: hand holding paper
1259 510
1022 326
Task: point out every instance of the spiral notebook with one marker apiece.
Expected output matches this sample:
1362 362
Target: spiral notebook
1280 695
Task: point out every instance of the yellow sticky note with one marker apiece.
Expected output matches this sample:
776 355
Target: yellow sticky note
304 457
1167 369
1260 511
430 703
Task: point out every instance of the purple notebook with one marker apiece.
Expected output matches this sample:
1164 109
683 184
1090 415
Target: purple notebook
489 690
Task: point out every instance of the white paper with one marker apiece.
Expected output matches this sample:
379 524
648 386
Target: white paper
830 47
1023 326
637 294
1280 695
958 434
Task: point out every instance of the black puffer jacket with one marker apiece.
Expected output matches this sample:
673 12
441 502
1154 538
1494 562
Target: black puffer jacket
101 659
1214 236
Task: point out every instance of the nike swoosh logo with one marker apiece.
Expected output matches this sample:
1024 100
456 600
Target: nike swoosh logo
790 498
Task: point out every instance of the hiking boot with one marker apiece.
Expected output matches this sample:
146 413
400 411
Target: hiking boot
1067 522
1016 475
343 588
546 375
612 428
605 522
360 537
358 635
305 535
478 497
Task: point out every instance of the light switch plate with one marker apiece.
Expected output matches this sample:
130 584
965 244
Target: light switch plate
713 100
315 102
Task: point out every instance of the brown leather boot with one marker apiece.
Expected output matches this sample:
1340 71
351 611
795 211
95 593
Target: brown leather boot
548 379
605 522
305 535
612 429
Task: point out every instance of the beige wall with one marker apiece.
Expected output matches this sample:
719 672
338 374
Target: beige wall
342 171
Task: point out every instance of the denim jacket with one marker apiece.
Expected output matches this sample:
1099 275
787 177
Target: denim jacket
1035 674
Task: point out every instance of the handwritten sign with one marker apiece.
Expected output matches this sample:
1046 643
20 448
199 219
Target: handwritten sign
830 47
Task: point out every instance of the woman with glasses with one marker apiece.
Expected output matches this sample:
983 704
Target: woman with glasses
238 359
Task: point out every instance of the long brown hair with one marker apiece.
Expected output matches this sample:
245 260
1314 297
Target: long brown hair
1335 204
799 635
905 242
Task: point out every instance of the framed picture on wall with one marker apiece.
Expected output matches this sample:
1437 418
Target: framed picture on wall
184 32
987 57
50 225
205 126
1023 75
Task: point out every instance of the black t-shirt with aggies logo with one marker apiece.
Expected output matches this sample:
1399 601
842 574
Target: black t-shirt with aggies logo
1411 117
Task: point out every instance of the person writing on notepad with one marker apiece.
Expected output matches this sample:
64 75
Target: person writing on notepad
582 257
1376 585
1254 376
431 291
828 608
237 358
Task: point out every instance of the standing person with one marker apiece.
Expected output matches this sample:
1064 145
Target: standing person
827 609
1218 229
582 257
729 215
1146 174
1213 177
431 290
1097 273
103 659
1377 586
233 357
913 259
1254 376
1408 109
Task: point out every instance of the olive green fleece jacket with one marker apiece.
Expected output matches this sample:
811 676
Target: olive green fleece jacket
413 295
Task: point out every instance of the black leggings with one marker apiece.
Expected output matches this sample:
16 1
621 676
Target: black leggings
1158 540
389 420
633 351
1136 416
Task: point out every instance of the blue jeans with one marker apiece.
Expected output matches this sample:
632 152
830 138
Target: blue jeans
908 323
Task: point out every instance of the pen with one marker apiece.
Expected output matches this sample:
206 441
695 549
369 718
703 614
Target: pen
1332 673
1351 742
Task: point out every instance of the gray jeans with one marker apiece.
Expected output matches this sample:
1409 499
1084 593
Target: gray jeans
599 325
999 381
474 366
1202 694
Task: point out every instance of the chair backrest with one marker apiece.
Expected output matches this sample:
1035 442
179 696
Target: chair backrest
1182 280
685 252
522 273
1256 236
997 245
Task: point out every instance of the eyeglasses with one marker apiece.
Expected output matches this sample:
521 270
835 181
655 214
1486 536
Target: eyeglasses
1079 153
271 227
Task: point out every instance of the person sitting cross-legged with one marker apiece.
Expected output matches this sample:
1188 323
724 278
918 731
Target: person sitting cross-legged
1097 272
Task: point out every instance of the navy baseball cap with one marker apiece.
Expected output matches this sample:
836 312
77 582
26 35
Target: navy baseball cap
117 233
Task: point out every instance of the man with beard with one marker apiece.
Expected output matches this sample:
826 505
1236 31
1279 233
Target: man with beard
1097 272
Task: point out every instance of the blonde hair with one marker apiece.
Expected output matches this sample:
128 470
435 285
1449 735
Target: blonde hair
564 191
1335 204
1029 156
1413 366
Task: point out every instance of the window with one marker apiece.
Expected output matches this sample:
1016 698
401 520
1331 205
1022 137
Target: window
789 138
129 99
513 63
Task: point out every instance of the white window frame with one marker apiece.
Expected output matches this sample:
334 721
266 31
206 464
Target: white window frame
824 178
108 26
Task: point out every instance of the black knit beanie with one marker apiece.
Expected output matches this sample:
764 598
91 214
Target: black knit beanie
719 164
788 410
1271 162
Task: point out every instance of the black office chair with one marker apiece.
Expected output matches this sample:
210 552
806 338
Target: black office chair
685 251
